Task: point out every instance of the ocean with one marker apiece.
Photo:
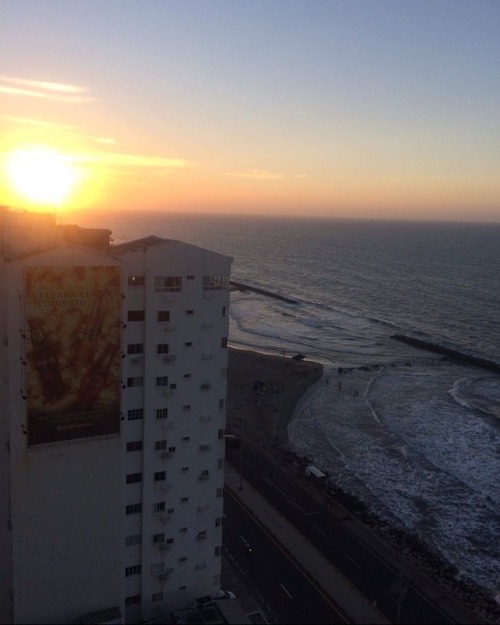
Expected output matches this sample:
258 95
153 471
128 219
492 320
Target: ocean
410 433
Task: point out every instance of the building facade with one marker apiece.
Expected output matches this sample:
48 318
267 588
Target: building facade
112 391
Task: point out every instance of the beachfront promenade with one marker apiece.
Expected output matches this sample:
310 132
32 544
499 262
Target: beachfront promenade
356 607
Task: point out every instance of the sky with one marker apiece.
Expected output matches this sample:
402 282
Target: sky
364 109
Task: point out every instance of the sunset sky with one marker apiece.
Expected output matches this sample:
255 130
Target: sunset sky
362 108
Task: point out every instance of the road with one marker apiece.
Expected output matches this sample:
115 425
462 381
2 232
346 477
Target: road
398 599
278 582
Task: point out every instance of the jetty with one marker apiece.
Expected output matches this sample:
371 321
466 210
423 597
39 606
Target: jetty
239 286
453 354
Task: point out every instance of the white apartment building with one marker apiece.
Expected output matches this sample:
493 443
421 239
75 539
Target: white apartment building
112 397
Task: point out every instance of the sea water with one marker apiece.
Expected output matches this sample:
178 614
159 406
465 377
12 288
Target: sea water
414 436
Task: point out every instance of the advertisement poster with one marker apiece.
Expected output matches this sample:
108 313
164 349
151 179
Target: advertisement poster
72 333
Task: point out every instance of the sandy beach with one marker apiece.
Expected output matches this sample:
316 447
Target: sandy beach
263 392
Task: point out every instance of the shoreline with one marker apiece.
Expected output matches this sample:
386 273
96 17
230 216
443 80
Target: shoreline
263 393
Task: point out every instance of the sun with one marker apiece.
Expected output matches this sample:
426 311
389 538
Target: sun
42 175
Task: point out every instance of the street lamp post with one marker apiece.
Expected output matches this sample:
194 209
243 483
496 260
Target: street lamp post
241 464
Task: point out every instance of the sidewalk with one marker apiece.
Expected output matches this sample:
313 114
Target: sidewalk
357 608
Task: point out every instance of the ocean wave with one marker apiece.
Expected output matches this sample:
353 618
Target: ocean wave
481 394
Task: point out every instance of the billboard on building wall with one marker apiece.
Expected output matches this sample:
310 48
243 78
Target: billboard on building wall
73 356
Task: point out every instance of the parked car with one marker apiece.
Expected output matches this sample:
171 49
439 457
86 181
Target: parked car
232 440
223 594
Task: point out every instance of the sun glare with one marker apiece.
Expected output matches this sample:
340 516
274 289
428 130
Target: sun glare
42 175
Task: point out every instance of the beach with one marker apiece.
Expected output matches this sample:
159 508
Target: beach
263 394
263 391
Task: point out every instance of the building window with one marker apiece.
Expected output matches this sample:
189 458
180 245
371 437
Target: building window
190 277
215 283
160 476
134 446
168 284
171 449
135 280
220 463
135 348
186 407
138 380
162 413
156 596
135 315
162 348
223 342
135 508
171 510
158 568
133 599
161 445
190 312
187 376
188 344
162 380
219 492
220 434
221 404
158 538
135 414
224 311
158 507
185 469
185 438
183 559
133 570
163 315
218 521
217 551
173 387
136 539
184 499
133 478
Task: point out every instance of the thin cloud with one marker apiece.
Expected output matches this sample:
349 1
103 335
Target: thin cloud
71 94
132 160
260 174
74 129
104 140
37 122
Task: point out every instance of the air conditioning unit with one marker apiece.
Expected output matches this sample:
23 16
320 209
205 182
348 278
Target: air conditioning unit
164 546
169 358
203 477
206 386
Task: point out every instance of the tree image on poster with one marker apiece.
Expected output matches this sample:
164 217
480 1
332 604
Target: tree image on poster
73 368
